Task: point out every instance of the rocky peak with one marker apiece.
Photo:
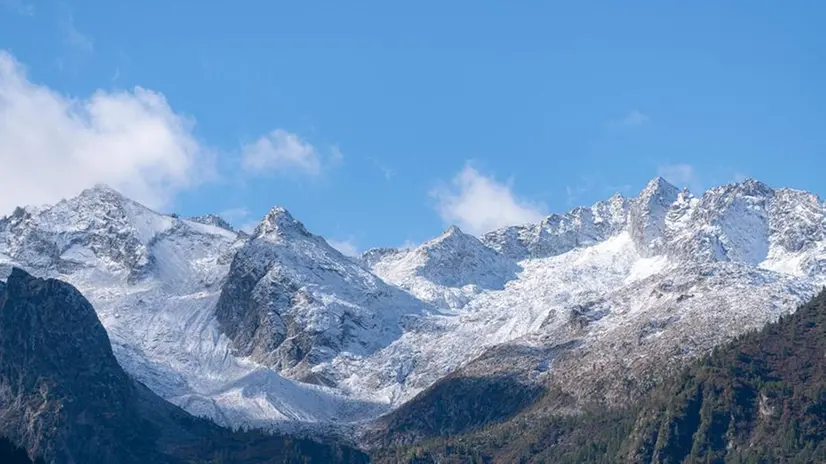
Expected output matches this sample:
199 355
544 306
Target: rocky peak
755 188
291 301
99 223
453 235
647 216
453 259
280 223
658 187
102 191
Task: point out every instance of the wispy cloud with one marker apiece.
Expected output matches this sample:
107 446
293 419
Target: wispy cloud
55 145
634 118
681 175
283 151
346 247
409 244
385 170
479 203
20 7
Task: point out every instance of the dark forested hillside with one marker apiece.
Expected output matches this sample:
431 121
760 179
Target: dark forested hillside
759 399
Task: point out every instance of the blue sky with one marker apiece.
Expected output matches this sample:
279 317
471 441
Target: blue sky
377 123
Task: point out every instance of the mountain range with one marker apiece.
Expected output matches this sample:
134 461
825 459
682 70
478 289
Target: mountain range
278 330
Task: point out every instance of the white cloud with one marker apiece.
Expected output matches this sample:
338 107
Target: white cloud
346 247
633 119
283 151
53 146
478 204
681 175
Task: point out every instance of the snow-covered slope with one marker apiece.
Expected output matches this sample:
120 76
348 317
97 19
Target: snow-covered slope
447 271
278 328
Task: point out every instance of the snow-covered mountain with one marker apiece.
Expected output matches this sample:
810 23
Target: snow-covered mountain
279 329
293 302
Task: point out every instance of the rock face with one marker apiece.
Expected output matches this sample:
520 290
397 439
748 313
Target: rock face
646 220
291 301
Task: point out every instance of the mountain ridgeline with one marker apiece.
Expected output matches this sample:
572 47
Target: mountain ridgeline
588 310
758 399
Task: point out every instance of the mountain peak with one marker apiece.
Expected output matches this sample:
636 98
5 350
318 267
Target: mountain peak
100 196
754 187
279 221
647 215
101 191
658 186
451 233
452 230
453 236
